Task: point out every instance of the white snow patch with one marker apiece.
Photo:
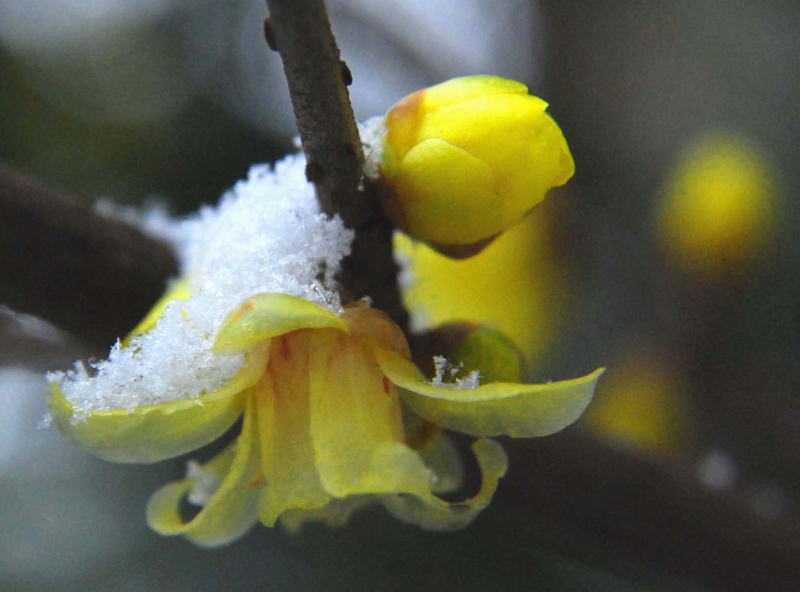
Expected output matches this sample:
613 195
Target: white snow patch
372 133
204 483
447 376
266 235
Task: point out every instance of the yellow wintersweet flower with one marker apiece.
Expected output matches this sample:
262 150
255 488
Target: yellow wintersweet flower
467 159
335 415
718 210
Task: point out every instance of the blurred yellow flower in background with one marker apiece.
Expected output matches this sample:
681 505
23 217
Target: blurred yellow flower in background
469 158
512 286
642 405
719 207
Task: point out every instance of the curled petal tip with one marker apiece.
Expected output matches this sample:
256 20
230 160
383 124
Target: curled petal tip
264 316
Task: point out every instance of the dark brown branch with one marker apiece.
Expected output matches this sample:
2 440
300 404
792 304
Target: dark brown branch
595 502
60 261
300 31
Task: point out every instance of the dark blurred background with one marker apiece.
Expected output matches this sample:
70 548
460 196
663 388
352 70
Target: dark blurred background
174 100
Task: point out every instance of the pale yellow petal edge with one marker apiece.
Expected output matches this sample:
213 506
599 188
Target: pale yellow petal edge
495 409
151 433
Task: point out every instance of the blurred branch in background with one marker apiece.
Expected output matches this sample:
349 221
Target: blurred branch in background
93 276
601 503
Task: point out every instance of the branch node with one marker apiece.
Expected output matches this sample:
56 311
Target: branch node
269 34
347 75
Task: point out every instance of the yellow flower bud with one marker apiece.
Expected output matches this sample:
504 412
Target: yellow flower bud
467 159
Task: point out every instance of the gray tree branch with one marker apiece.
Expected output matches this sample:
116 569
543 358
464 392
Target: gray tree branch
62 262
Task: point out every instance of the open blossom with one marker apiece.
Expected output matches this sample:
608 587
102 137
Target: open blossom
322 397
467 159
335 415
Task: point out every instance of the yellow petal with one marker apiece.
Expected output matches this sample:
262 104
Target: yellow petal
356 422
232 509
519 143
433 513
441 457
405 117
518 410
283 424
179 290
464 88
491 127
263 316
521 293
376 328
155 432
542 160
444 193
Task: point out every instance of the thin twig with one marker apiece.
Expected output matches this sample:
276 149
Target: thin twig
60 261
300 31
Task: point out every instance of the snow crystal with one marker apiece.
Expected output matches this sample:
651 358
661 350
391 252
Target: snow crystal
372 133
443 367
204 484
266 235
45 423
